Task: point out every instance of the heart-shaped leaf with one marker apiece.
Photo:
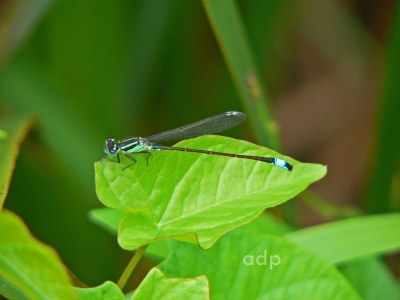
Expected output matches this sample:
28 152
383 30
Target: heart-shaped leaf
197 197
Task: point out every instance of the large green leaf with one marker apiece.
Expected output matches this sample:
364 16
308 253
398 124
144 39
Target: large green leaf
243 265
15 130
157 286
196 197
28 268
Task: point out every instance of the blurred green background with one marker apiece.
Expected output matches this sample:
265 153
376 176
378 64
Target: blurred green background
92 69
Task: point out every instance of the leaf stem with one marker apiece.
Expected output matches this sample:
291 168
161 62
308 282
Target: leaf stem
131 266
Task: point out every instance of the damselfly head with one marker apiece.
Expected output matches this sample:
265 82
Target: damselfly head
110 147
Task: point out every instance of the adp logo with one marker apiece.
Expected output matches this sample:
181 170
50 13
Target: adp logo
262 260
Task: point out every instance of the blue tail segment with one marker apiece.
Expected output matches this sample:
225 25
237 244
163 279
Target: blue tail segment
277 162
283 164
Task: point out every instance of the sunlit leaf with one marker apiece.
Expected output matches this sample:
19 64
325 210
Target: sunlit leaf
108 290
352 238
252 266
197 197
157 286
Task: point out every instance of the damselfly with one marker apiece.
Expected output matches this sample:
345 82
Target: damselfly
210 125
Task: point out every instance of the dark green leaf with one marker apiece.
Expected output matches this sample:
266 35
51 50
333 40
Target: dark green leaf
384 193
15 130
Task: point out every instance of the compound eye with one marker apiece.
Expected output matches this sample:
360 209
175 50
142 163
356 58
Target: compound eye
110 146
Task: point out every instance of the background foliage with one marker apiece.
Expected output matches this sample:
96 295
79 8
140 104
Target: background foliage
326 71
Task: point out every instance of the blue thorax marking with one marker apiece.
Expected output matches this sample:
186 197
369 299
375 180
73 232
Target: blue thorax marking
134 145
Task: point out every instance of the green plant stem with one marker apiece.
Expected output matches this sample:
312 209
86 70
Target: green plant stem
131 266
231 35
